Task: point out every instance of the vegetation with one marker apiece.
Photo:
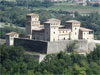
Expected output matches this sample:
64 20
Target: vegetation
14 61
5 30
91 22
27 3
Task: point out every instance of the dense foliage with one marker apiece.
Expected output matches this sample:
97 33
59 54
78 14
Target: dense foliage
91 22
27 3
14 61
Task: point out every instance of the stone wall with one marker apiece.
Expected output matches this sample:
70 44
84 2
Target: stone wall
81 46
31 45
55 47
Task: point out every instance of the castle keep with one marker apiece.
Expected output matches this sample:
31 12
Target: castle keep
52 33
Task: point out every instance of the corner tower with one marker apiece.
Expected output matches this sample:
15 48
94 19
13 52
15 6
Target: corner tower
51 29
10 38
32 22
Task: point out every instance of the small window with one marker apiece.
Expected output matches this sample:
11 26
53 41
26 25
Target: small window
63 31
54 39
64 38
75 33
75 28
54 32
34 38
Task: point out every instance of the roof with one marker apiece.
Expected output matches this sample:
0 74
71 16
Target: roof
42 30
32 14
53 19
73 21
85 29
11 33
37 29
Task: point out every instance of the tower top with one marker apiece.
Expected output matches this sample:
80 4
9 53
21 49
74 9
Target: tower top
32 14
53 21
72 21
11 34
50 21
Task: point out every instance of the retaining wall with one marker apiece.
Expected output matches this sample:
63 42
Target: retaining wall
82 46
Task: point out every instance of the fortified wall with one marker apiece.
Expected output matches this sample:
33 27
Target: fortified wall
80 46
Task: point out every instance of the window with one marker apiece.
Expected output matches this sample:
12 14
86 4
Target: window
64 38
75 33
32 22
90 32
54 32
54 39
75 28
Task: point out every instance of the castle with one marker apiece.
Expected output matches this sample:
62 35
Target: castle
52 30
51 34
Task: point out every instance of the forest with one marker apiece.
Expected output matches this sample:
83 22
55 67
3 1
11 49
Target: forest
27 3
14 61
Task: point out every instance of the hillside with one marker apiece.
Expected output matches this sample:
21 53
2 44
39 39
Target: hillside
9 0
14 61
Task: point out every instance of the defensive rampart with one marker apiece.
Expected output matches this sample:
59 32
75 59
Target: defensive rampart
81 46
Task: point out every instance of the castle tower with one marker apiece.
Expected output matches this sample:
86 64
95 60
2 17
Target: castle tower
74 26
32 22
10 38
51 29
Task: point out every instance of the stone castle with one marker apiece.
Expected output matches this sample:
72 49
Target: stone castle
52 30
52 35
